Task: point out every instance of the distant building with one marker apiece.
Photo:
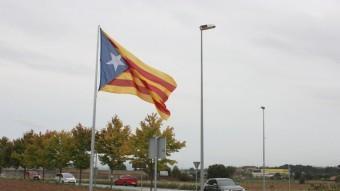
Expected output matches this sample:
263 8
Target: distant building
270 172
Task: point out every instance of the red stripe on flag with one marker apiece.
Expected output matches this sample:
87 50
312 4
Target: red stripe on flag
161 94
162 108
129 83
150 76
145 90
146 74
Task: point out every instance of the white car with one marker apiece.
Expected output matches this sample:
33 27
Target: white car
222 184
65 178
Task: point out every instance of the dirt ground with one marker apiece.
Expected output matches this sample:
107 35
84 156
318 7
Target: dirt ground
26 185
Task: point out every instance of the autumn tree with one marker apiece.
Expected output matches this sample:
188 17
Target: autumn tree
151 127
81 141
41 151
113 144
58 150
5 153
20 155
32 155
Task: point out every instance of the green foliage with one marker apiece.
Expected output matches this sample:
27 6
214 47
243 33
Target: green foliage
58 150
6 148
176 173
113 143
81 144
151 127
302 179
21 156
311 172
220 171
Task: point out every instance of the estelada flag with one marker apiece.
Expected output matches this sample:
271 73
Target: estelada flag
122 72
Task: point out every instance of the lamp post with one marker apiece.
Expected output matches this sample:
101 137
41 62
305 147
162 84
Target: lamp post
202 28
264 156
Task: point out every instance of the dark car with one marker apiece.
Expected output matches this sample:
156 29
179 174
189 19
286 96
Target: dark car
33 175
222 184
126 180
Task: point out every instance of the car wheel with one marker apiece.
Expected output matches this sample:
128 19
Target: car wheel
126 184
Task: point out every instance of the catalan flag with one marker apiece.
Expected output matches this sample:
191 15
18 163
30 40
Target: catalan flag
122 72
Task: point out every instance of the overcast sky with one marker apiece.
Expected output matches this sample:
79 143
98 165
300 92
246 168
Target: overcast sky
281 54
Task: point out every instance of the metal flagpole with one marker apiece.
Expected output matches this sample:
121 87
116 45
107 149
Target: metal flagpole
264 153
156 160
94 114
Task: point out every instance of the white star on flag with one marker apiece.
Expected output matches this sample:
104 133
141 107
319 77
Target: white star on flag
115 61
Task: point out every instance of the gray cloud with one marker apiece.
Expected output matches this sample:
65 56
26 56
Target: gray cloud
10 55
282 54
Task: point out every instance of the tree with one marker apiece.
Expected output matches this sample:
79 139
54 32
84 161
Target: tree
81 141
151 127
58 150
176 173
33 148
41 144
113 144
21 155
5 152
220 171
230 171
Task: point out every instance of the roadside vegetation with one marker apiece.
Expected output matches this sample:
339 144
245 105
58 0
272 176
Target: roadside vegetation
116 144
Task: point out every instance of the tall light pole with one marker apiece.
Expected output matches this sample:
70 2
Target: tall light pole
202 28
264 155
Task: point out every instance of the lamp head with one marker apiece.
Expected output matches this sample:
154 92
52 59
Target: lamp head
262 107
207 27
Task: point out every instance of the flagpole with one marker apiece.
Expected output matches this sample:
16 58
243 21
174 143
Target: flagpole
94 114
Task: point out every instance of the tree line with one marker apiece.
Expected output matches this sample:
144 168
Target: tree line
307 172
116 144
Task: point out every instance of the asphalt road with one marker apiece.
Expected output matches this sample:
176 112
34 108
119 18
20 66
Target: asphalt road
132 188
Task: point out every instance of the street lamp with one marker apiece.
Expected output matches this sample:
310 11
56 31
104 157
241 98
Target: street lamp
202 28
264 159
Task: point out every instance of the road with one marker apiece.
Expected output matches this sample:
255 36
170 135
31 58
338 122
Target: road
132 188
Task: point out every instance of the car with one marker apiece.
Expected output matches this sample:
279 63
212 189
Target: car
65 177
33 175
126 180
222 184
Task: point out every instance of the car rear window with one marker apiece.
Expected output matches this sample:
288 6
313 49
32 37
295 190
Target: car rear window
226 182
67 175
